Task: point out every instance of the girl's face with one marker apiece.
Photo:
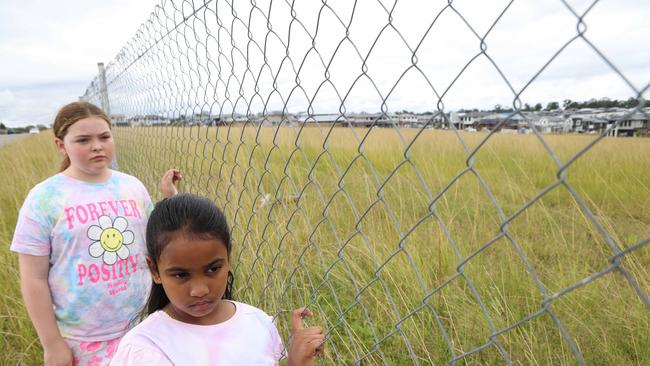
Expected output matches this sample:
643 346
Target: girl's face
194 273
89 145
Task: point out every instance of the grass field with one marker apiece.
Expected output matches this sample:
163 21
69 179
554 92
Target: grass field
397 246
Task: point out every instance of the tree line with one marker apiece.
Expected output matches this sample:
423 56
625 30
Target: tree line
17 130
566 104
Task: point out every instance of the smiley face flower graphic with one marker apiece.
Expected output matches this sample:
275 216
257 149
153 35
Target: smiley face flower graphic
111 239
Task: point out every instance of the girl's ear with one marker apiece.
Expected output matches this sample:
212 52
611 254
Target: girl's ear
154 272
59 145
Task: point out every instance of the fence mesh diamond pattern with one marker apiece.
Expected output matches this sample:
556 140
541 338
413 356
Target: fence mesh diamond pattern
413 242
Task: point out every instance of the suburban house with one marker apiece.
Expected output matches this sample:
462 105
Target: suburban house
466 120
278 118
501 121
372 119
586 121
305 118
621 122
616 121
631 124
435 120
552 124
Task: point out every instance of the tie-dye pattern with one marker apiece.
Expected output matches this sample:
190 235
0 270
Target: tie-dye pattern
94 234
93 353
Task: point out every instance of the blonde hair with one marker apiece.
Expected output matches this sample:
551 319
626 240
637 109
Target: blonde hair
68 115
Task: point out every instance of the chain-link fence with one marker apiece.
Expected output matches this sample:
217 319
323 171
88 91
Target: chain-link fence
413 241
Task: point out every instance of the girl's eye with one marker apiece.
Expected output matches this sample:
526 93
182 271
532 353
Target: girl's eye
214 269
105 137
82 141
180 275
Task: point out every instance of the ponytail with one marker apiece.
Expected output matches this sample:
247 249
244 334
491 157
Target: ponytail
227 295
65 163
157 300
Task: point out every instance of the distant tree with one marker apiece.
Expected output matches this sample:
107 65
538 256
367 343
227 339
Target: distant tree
2 126
552 105
498 108
569 104
630 103
526 107
538 107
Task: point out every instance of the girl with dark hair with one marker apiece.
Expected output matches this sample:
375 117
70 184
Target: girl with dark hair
80 239
191 317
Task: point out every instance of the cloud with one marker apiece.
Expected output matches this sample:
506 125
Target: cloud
7 98
50 51
36 103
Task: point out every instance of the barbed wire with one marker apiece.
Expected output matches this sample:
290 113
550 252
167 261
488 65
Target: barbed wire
316 199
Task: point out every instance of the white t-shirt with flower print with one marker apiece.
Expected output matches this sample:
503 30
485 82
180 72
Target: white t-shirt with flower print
94 235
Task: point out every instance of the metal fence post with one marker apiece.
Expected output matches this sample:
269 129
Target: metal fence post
103 91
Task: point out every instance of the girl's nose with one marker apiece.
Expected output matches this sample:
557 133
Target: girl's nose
199 289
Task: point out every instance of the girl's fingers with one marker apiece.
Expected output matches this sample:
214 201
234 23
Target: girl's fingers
313 330
173 174
296 318
311 337
317 346
315 339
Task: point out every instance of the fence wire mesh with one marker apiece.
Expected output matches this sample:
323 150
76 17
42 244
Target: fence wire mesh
412 241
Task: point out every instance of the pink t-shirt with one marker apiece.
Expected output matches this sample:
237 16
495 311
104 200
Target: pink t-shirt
249 337
94 234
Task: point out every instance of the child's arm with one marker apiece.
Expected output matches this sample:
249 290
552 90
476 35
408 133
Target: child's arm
38 301
168 183
306 343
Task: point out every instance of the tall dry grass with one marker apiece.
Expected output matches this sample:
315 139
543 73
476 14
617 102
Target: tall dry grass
367 228
23 163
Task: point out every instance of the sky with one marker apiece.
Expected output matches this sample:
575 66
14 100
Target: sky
50 51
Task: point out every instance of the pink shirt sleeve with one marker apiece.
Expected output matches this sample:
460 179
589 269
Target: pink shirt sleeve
134 355
34 227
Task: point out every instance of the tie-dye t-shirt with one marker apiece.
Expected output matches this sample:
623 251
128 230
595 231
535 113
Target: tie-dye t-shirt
94 234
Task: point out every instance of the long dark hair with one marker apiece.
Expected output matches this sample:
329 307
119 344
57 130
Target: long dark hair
192 215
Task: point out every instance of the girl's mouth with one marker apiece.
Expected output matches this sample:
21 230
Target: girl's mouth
201 305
